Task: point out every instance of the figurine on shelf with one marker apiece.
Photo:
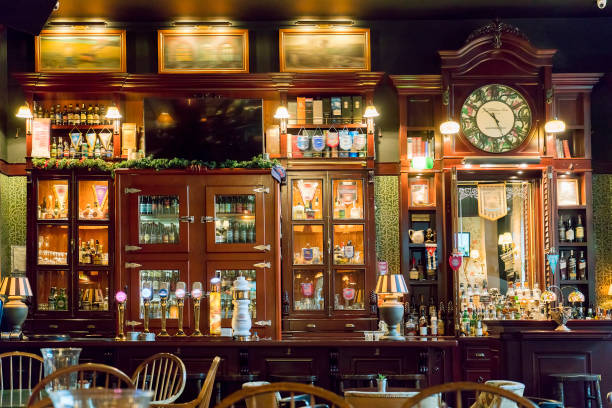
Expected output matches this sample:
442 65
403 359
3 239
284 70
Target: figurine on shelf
430 235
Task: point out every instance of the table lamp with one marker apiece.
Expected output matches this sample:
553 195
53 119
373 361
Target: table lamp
196 295
180 300
14 288
391 310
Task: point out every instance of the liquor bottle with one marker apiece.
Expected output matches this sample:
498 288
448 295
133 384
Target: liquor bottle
66 150
110 151
561 228
52 115
236 232
60 301
147 233
441 318
579 230
434 325
413 274
582 266
76 117
90 117
83 115
423 324
84 151
563 266
478 320
96 115
58 114
422 306
432 307
465 324
571 266
590 315
97 150
450 318
569 230
420 270
230 233
243 233
251 233
60 148
349 251
166 235
51 298
54 148
65 116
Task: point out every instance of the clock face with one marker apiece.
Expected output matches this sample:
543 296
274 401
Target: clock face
496 118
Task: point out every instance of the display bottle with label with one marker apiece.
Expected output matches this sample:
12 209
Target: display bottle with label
465 324
441 318
579 230
561 228
563 266
569 231
51 299
571 266
349 251
423 324
60 301
434 325
582 275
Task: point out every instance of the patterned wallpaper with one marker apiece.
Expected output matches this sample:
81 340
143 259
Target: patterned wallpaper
386 200
12 217
602 224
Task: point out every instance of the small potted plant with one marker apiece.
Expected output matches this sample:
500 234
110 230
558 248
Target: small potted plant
381 383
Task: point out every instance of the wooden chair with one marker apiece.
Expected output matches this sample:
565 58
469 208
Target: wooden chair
162 373
87 375
19 370
457 388
203 399
317 394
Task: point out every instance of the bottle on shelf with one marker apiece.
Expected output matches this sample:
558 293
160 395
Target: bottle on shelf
441 319
571 266
434 325
579 230
563 266
413 274
582 272
569 231
76 116
561 229
423 324
60 301
51 298
83 115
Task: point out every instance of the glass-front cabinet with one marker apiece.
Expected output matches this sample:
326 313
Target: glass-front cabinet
328 273
70 249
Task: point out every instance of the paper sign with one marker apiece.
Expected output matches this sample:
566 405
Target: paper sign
18 260
128 138
41 129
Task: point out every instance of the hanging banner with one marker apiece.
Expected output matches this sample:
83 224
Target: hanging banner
41 130
101 193
61 191
553 259
105 138
91 137
492 201
76 139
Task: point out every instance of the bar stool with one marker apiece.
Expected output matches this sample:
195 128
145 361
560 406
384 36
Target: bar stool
589 380
307 379
232 380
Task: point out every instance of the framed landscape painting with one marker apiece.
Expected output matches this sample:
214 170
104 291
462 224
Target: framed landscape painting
80 51
324 50
203 51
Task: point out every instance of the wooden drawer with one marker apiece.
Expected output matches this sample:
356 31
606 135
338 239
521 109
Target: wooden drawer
329 325
475 354
73 327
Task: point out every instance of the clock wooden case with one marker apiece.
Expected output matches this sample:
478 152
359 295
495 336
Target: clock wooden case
498 69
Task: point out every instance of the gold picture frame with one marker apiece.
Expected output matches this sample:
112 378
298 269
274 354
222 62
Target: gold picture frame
80 51
324 50
202 51
567 192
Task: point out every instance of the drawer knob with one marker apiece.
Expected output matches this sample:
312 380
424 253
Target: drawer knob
479 355
349 326
311 326
53 326
480 379
91 326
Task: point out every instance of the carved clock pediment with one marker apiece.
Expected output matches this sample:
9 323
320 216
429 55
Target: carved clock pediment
499 71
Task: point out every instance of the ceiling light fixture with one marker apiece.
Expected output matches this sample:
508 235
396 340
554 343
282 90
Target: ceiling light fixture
601 4
202 23
554 126
450 127
325 22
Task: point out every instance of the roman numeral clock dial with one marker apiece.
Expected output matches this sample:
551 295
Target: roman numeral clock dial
495 118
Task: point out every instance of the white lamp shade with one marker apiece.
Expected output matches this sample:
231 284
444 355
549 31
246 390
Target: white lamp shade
554 126
281 113
113 113
370 112
449 127
24 112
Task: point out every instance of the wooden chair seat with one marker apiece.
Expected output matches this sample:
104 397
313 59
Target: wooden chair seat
589 381
164 374
19 370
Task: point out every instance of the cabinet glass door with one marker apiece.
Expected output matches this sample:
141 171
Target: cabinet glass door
93 245
307 199
349 287
93 200
308 248
93 291
255 273
52 244
159 220
53 199
235 220
347 201
159 275
52 291
348 244
308 290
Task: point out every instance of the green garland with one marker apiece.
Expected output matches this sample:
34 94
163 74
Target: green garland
257 162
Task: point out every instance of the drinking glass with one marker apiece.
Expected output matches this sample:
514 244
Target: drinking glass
101 398
57 358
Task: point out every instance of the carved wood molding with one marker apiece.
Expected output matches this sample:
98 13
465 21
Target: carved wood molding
575 82
417 84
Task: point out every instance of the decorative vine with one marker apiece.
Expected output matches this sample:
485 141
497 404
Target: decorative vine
257 162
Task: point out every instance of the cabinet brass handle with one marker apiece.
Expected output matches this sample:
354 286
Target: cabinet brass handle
262 265
479 355
132 265
311 326
130 248
262 323
130 190
186 218
262 247
53 326
349 326
91 326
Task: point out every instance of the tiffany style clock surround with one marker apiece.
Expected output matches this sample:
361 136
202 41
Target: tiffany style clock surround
495 118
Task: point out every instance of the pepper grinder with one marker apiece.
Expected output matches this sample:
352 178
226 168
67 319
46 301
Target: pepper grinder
120 297
180 301
163 300
196 294
146 294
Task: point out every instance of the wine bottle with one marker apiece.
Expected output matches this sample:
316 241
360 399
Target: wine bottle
569 230
579 230
571 264
563 266
561 229
582 267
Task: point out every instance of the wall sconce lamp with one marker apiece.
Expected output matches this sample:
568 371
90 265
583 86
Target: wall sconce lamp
114 114
24 112
369 114
554 126
450 127
282 114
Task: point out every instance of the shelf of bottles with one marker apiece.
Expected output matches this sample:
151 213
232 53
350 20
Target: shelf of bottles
52 290
572 246
235 217
421 318
53 200
160 279
93 288
326 127
52 244
93 245
158 219
308 292
93 200
228 276
348 289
